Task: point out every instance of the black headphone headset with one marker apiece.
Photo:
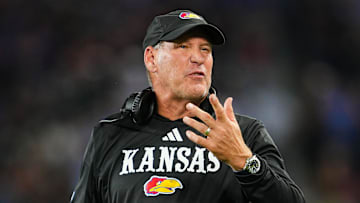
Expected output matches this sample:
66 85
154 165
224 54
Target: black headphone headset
141 105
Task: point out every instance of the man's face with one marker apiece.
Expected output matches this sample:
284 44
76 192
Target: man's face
185 67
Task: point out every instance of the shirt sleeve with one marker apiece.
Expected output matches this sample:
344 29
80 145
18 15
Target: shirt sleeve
272 183
85 190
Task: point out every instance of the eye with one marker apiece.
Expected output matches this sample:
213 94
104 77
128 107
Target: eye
181 45
206 49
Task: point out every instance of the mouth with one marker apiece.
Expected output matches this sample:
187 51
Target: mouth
197 74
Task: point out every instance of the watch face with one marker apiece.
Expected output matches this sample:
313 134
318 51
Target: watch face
253 165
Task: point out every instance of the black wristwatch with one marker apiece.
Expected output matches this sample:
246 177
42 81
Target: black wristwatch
252 165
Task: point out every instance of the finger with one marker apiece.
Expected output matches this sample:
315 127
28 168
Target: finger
201 127
218 108
202 115
229 109
196 138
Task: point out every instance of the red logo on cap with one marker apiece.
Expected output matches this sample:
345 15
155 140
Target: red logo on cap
188 15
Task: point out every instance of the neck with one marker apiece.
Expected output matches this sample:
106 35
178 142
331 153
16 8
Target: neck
174 109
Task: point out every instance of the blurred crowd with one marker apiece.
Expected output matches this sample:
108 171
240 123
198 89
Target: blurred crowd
64 65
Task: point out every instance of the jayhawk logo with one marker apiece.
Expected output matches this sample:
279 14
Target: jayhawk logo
161 185
188 15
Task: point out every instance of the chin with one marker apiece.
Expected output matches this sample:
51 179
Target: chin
197 93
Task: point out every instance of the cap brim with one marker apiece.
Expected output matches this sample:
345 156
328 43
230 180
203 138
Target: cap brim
214 35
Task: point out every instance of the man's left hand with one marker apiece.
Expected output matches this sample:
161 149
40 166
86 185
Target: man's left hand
224 139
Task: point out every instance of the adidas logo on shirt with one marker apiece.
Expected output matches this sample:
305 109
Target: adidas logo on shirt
173 136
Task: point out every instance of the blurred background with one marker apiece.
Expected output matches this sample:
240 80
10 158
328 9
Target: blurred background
64 65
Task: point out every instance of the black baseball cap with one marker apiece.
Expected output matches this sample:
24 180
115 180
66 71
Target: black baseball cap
172 25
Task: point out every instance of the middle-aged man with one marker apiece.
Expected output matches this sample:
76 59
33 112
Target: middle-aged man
175 142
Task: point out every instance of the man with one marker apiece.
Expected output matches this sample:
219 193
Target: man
175 142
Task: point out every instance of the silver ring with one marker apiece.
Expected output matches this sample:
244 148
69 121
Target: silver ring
207 132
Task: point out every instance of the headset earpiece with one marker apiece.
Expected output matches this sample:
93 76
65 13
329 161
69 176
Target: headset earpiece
141 105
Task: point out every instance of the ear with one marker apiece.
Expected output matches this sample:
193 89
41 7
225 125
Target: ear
149 59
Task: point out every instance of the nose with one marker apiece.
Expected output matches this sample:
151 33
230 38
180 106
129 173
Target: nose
197 56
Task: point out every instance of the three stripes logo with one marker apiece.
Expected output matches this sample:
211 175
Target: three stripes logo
173 136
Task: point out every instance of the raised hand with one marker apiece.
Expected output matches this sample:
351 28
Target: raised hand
223 135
